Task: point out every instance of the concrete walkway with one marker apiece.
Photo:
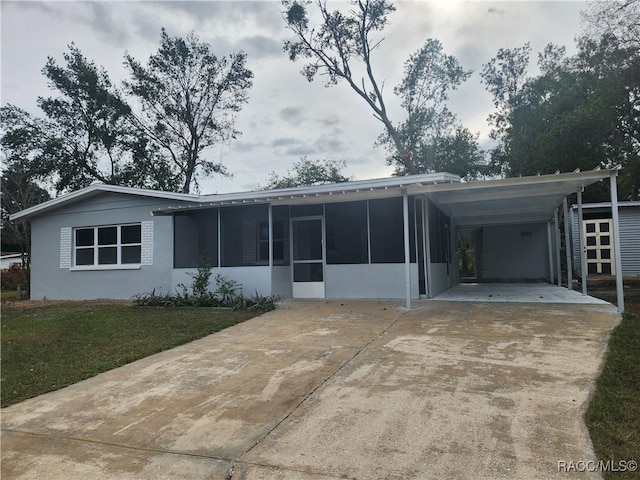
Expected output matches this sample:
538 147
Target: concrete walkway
351 389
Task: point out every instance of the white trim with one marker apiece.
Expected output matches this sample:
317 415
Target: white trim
94 190
122 266
95 247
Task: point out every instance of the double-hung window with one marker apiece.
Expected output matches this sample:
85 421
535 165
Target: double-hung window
109 246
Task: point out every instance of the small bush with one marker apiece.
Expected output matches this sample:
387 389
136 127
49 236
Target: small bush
262 303
228 293
11 277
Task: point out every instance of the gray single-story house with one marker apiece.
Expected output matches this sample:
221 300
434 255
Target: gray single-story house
597 229
385 238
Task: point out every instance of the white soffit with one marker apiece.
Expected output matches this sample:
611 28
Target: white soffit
510 200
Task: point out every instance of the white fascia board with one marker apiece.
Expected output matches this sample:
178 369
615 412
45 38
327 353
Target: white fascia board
352 186
354 190
574 180
606 205
94 190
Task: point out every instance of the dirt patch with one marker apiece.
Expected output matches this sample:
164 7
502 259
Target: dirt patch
606 290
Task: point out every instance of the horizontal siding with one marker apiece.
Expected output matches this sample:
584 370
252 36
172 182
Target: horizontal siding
630 241
575 237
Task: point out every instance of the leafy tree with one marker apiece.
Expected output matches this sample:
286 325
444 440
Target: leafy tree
27 140
343 44
619 19
430 129
19 191
580 112
308 172
504 75
188 97
90 135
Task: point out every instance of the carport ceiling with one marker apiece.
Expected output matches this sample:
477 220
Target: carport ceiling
510 200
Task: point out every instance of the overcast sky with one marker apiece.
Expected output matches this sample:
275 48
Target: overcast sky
286 117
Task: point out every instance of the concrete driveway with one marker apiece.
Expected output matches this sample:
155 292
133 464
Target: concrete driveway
335 389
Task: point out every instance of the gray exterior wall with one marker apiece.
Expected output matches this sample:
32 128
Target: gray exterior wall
629 216
49 280
281 281
515 252
376 280
253 279
440 281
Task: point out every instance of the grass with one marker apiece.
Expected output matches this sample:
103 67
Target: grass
8 295
613 415
48 346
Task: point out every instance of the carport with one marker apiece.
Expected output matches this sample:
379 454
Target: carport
512 212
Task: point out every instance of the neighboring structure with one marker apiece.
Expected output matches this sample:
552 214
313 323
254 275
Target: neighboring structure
385 238
8 259
597 228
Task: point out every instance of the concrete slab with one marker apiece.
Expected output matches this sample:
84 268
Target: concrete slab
332 389
452 390
211 399
516 292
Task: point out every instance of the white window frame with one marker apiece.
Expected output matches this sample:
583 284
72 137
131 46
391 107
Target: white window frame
96 248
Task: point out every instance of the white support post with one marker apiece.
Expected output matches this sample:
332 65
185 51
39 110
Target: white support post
557 250
568 244
270 235
219 238
550 251
423 203
583 250
454 277
427 245
407 253
616 240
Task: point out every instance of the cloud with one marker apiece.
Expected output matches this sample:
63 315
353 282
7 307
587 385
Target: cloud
103 23
283 142
330 144
233 13
292 115
496 11
260 46
244 147
330 121
300 150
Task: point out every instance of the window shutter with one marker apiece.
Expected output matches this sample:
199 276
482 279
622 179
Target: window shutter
65 247
146 257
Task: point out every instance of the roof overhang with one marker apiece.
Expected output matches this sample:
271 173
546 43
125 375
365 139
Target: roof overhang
510 200
92 191
330 193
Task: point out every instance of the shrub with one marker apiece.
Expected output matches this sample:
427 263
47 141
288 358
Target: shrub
228 293
11 277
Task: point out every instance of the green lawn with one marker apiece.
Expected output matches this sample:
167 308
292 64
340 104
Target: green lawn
613 416
46 347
